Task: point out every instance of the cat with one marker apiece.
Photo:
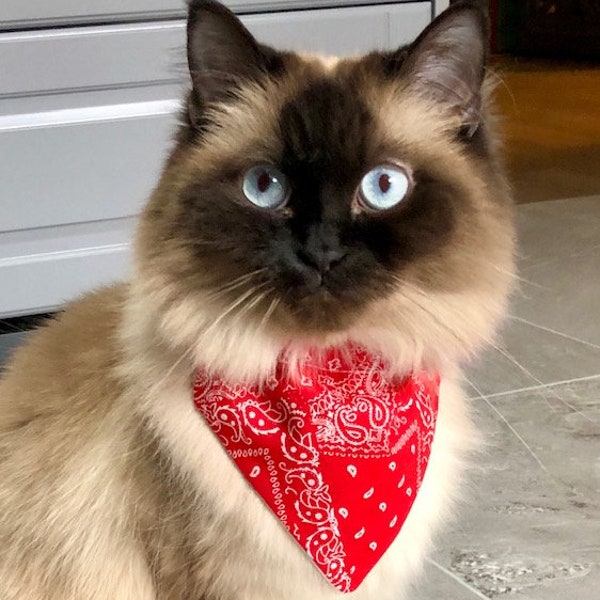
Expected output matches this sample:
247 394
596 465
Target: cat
309 204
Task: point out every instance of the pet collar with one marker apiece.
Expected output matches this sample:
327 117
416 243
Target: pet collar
337 452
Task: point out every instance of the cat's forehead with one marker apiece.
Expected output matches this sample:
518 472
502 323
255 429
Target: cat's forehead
319 111
327 123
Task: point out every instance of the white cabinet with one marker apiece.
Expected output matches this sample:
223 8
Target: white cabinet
87 114
440 6
16 14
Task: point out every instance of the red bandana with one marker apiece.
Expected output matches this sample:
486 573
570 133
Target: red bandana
338 453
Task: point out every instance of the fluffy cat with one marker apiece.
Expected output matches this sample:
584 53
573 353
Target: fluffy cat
308 203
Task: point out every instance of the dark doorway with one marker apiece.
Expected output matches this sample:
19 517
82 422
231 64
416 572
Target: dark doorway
568 29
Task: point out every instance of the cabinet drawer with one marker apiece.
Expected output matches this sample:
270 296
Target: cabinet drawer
342 31
41 13
71 166
90 57
43 268
129 55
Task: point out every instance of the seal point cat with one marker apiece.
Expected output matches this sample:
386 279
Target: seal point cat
309 203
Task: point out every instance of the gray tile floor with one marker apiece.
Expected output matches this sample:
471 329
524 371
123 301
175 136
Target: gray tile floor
531 527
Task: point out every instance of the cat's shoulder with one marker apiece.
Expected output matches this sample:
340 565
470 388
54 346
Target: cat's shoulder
69 361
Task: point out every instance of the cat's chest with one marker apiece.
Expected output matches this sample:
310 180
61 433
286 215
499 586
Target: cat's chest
242 543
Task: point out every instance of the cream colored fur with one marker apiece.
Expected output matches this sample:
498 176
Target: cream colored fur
122 361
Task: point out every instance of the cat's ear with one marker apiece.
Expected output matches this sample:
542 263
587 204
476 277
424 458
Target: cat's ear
447 62
221 52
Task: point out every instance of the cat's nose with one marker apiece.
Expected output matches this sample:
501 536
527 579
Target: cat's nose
322 249
316 265
322 259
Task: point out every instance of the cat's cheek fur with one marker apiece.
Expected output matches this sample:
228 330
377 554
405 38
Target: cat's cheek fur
242 350
285 569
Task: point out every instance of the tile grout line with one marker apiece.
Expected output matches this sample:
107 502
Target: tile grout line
555 332
460 581
543 386
510 426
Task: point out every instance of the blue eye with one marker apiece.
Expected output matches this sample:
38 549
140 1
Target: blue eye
266 187
384 187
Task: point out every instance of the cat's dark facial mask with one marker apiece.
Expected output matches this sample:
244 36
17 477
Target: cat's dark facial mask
324 250
309 189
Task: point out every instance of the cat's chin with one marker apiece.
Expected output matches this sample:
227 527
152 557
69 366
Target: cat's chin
320 314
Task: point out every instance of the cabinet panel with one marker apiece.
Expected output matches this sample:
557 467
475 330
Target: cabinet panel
34 13
81 165
38 13
440 6
91 57
129 55
342 32
43 268
44 285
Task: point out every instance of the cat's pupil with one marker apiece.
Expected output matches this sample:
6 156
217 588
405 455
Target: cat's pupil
263 182
384 183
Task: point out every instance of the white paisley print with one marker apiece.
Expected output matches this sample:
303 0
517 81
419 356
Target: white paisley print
337 453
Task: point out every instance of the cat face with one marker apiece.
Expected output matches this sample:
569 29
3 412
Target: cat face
325 199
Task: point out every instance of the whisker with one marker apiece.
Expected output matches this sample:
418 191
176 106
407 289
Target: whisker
252 303
512 274
156 386
498 78
12 327
520 278
274 304
234 284
199 242
239 300
456 578
441 324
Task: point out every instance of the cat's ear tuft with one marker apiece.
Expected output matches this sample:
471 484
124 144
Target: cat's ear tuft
447 62
222 53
